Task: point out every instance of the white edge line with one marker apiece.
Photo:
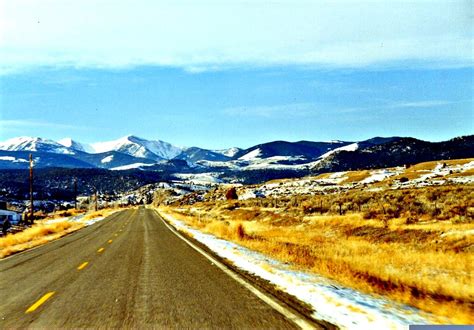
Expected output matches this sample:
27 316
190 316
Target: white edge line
303 324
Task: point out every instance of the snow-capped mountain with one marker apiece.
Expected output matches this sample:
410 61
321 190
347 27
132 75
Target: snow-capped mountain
26 143
255 164
397 151
72 144
306 149
348 147
138 147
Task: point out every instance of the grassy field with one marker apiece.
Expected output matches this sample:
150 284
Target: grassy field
415 246
36 235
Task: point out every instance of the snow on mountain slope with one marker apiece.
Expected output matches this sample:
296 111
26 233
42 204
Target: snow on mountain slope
349 147
200 178
139 147
13 159
26 143
70 143
230 152
107 159
130 166
251 155
194 154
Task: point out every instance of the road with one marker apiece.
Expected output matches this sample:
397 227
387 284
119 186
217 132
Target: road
128 270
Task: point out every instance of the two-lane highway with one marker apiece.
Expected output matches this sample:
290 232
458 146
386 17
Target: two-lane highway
128 270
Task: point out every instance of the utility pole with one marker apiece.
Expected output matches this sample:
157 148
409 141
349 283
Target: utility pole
75 193
31 188
96 201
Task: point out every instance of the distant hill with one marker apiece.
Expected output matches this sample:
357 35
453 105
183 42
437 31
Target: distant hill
397 151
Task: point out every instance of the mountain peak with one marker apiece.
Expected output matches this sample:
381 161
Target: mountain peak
67 142
139 147
28 143
73 144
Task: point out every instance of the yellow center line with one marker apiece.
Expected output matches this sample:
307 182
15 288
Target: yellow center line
109 241
41 301
100 250
83 265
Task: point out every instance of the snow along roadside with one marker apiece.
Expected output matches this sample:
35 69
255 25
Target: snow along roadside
80 219
344 307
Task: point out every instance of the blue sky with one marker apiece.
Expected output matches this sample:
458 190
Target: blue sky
221 74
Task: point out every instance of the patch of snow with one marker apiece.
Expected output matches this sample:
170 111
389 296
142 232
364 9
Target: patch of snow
94 220
462 179
378 175
349 147
274 163
138 147
70 143
13 159
79 218
130 166
200 178
337 175
26 143
107 159
209 163
251 194
344 307
467 166
231 152
458 232
252 154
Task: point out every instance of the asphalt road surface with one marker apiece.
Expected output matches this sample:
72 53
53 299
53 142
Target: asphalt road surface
128 270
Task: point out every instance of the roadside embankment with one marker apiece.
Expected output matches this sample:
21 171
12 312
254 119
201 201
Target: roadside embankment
48 229
427 264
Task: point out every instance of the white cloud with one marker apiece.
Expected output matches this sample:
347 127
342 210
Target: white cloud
312 109
214 34
421 104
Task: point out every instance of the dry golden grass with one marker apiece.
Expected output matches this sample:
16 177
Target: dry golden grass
64 214
321 176
427 264
461 174
431 165
41 233
279 181
96 214
416 171
356 176
36 235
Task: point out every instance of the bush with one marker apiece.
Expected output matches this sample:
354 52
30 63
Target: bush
403 179
231 194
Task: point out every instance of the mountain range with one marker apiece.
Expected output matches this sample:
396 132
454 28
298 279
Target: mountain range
132 152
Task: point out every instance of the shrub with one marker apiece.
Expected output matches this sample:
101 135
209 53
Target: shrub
403 179
231 194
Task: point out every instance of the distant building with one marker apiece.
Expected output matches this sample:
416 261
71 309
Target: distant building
8 219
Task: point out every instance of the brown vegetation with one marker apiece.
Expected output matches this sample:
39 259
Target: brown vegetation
42 232
413 245
36 235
